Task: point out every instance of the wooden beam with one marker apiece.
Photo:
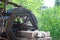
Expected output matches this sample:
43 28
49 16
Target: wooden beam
11 3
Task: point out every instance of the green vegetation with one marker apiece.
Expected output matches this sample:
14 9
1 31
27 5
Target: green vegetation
57 2
1 5
50 21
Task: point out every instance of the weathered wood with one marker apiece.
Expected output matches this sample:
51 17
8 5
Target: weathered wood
8 27
28 13
7 2
48 38
23 38
32 39
27 34
3 38
40 38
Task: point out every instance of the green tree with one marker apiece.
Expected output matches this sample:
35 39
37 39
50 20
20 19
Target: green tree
57 2
1 5
50 21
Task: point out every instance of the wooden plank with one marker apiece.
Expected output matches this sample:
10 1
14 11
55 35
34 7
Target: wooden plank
32 39
22 38
28 34
40 38
8 26
48 38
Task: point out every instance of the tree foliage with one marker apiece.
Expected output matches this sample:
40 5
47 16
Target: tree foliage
1 5
50 21
57 2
